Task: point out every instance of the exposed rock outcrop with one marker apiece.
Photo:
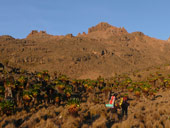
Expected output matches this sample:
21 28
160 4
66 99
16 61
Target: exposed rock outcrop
103 26
36 34
6 38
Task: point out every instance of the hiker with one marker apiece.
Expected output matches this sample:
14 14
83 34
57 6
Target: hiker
124 105
113 106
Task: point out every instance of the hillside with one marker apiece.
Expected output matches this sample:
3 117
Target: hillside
138 67
148 107
104 50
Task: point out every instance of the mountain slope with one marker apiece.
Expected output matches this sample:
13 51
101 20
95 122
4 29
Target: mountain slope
104 50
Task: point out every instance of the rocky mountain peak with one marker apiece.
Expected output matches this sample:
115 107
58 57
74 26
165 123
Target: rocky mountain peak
100 27
36 34
105 27
6 37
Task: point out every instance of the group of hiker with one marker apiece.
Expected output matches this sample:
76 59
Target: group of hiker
116 103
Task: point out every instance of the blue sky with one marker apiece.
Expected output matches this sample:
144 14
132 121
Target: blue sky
60 17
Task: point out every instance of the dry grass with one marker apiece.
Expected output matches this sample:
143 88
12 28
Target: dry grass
143 113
